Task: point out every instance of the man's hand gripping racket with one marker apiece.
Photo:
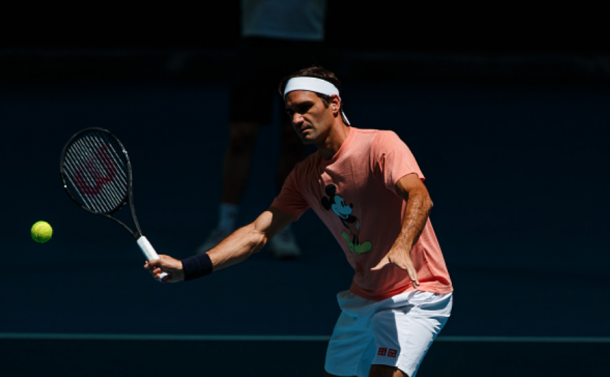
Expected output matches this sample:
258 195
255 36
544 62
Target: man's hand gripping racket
96 173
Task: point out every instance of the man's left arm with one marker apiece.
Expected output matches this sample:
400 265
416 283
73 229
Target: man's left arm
419 204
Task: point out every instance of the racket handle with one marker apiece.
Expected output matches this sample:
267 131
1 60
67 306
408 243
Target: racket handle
150 254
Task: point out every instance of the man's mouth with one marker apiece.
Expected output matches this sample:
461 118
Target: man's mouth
304 128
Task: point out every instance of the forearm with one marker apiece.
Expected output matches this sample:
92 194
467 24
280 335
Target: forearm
417 210
416 215
237 247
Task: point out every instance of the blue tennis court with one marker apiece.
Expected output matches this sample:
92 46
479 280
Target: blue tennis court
92 355
518 174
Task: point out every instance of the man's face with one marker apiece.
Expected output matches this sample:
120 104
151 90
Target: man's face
310 118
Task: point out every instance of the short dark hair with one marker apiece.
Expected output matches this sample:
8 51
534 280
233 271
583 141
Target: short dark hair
318 72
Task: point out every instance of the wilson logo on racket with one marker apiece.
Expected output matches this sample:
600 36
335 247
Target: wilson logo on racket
90 178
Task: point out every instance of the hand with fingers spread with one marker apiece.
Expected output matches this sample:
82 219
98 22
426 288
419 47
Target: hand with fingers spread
400 257
167 264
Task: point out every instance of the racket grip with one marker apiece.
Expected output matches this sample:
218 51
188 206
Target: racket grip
150 254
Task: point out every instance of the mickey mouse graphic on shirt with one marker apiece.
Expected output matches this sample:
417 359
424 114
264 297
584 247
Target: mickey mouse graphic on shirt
336 203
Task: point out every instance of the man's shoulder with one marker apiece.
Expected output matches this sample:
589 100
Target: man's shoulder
377 137
374 133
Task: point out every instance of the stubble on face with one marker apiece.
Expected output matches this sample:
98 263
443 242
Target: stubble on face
309 116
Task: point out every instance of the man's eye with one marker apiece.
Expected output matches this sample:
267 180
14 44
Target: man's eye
303 109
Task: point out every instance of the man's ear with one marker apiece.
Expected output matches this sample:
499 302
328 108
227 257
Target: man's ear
335 104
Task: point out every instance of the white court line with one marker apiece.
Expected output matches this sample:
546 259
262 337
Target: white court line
162 337
288 338
524 339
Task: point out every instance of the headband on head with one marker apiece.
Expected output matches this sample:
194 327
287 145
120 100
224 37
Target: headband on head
313 84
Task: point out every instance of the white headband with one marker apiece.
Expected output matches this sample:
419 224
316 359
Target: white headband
313 84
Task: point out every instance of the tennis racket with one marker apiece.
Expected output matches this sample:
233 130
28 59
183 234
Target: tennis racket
96 173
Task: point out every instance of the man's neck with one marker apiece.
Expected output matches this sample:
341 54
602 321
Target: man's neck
336 137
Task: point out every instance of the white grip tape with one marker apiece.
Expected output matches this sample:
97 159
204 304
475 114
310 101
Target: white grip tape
147 249
150 253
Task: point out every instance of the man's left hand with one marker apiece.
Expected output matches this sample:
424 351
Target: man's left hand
401 259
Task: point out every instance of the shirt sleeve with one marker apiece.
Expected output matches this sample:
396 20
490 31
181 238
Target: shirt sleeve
391 160
290 199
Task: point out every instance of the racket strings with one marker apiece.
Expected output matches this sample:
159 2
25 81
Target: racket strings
96 169
89 180
109 162
95 178
87 183
117 188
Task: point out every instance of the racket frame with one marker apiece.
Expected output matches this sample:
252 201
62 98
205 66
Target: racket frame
127 198
147 249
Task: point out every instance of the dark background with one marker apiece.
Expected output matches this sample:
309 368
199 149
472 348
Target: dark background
494 28
505 108
503 41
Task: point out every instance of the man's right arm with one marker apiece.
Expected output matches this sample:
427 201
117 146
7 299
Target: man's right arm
237 247
249 239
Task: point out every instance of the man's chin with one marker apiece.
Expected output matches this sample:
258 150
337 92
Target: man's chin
306 140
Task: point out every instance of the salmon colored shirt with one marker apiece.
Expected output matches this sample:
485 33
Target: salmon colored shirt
354 194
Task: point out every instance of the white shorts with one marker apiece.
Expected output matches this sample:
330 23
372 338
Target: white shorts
397 331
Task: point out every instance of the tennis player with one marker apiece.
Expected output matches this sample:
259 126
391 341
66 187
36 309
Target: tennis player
368 189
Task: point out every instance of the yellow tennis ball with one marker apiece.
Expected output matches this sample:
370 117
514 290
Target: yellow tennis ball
42 231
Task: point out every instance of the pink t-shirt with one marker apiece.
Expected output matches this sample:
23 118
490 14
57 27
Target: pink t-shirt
354 194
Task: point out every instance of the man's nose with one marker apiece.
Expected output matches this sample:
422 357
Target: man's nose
297 118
